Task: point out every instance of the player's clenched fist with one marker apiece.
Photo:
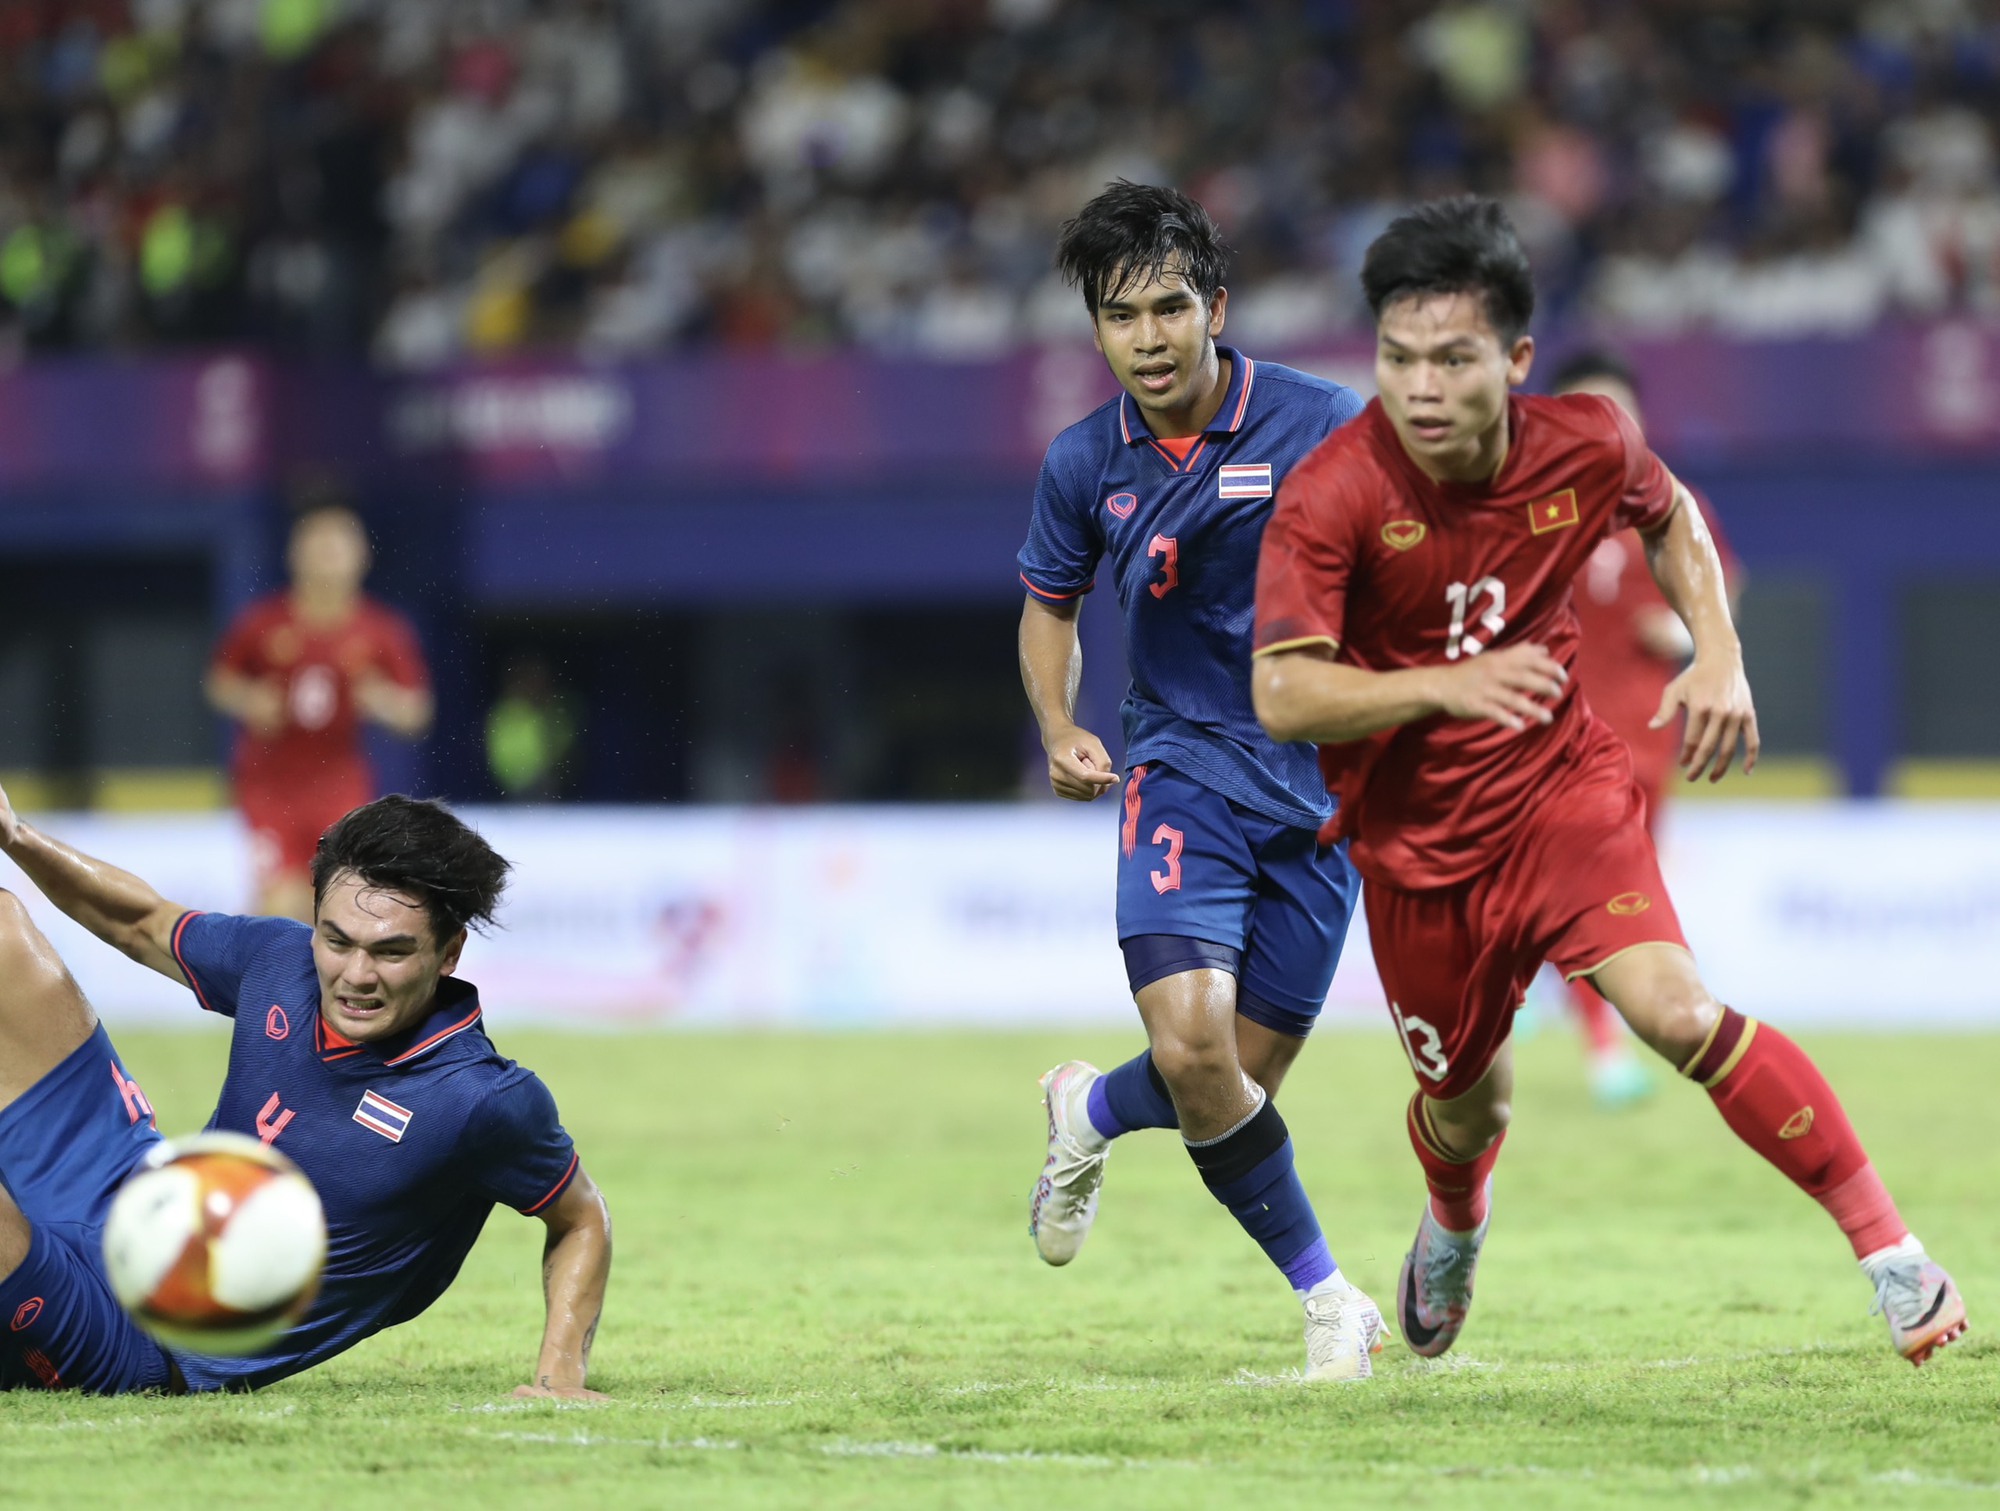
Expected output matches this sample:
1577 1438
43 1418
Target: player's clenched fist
1716 695
1079 765
1516 686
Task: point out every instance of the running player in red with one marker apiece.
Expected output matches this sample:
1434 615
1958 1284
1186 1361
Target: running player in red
1633 645
1414 620
300 671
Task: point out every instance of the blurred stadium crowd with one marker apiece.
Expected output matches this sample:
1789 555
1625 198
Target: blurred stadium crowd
426 179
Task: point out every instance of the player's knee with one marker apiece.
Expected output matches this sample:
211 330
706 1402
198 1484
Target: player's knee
1676 1020
1192 1064
1469 1128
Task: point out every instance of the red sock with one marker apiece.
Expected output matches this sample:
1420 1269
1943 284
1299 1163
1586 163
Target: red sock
1774 1099
1600 1023
1458 1187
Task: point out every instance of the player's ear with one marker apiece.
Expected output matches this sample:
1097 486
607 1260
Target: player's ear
1520 358
453 948
1217 308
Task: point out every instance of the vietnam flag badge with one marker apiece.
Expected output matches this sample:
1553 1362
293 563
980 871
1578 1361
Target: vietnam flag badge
1556 512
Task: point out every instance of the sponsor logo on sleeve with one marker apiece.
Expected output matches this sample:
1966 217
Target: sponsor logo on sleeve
1625 904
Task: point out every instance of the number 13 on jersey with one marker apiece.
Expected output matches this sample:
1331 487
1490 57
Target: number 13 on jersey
1492 619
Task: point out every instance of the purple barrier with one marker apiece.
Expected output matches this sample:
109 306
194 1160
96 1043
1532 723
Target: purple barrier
847 419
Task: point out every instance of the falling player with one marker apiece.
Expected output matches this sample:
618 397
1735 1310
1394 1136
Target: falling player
355 1050
1413 618
1231 913
1633 645
300 671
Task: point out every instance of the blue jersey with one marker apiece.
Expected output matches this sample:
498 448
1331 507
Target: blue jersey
410 1143
1183 539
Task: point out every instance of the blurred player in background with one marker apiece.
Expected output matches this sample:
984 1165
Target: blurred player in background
1231 914
1414 618
300 671
355 1049
1633 645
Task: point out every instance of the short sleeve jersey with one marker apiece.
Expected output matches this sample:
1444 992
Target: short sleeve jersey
1368 554
1620 674
1182 536
319 666
410 1143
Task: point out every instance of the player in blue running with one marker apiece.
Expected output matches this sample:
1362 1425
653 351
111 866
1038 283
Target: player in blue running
1230 913
355 1051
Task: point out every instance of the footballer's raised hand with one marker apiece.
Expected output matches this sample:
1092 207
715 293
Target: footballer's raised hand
1720 715
1079 766
1514 687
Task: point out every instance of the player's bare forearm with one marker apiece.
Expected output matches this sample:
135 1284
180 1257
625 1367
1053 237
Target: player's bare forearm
1051 673
406 711
576 1268
258 703
119 908
1307 695
1682 557
1051 661
1713 690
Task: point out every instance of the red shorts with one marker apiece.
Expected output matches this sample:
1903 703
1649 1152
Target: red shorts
1581 885
286 822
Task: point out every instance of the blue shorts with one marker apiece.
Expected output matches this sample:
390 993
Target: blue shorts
66 1146
1193 865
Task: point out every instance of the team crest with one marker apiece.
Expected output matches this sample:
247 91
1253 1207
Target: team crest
1798 1125
380 1115
1122 504
1404 534
1556 512
1246 480
1625 904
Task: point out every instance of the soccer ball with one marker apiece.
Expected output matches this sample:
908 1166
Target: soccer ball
215 1245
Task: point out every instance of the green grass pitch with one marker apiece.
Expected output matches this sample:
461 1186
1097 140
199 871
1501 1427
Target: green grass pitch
825 1296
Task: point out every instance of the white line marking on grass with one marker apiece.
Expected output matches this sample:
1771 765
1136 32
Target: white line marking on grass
845 1448
598 1440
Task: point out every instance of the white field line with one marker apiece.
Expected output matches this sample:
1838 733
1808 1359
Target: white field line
692 1403
845 1448
598 1440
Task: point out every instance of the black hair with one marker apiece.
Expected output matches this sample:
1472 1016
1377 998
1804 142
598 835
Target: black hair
422 849
1134 233
1593 362
1465 244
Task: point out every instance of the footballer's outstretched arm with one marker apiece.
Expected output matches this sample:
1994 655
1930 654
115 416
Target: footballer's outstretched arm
576 1267
1714 691
1301 692
119 908
1051 671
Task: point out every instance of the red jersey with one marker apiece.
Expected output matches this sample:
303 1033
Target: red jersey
319 666
1367 553
1618 671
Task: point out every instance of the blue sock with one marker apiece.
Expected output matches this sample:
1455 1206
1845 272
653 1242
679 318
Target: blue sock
1249 1170
1130 1097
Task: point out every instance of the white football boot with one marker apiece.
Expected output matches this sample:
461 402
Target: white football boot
1344 1331
1065 1200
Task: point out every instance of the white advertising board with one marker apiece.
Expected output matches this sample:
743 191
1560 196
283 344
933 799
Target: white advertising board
1883 915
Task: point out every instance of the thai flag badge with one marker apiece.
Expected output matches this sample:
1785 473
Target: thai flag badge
382 1116
1247 480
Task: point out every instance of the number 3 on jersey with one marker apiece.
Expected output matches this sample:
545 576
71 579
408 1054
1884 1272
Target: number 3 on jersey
1493 620
1170 569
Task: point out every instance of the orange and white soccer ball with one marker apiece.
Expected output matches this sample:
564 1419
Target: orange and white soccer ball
215 1245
